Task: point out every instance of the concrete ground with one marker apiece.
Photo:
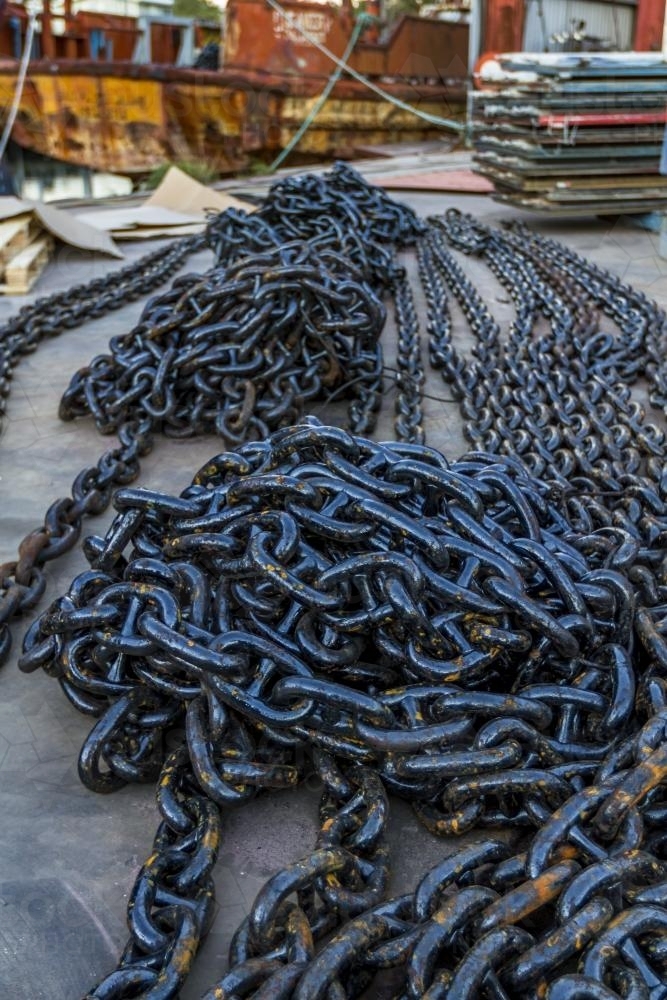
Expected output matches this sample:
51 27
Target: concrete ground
69 857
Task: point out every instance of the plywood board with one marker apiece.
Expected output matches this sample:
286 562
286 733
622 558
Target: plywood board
16 233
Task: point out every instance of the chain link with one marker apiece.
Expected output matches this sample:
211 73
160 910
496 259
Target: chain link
484 638
236 352
439 631
22 581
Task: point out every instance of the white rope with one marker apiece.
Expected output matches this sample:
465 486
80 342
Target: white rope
323 98
20 81
397 102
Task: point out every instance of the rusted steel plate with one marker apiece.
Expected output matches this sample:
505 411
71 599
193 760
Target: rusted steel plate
127 120
438 180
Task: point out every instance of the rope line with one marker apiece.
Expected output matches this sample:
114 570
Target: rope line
396 101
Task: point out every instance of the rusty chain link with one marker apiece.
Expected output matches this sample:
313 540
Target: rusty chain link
486 638
22 581
236 352
400 624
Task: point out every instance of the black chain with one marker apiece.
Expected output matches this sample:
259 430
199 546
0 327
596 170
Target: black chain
49 316
22 581
442 632
237 351
486 638
410 380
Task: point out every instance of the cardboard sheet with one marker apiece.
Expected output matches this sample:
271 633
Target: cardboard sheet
178 207
182 193
151 216
63 225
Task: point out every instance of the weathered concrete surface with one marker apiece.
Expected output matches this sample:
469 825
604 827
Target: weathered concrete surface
68 857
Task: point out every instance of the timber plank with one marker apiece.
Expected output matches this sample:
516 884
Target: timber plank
22 270
17 233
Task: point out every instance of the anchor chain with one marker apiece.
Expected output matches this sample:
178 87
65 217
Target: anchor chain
441 632
236 352
485 638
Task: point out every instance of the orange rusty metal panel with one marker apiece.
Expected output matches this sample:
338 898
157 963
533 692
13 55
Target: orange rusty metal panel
7 38
649 22
120 32
131 119
258 37
370 59
206 122
503 26
29 129
344 124
427 49
128 118
165 43
90 119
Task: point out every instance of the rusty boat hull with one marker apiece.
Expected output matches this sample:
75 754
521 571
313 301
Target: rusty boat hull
129 114
129 119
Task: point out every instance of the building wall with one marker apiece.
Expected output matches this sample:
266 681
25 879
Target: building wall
128 8
612 21
509 25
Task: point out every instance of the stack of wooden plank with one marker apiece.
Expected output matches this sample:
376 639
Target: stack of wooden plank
573 132
25 250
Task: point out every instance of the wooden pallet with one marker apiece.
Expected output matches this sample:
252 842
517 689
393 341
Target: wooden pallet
17 233
22 270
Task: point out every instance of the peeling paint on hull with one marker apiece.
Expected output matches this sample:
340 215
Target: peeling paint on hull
128 119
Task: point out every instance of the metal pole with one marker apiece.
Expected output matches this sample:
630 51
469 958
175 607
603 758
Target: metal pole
662 244
474 45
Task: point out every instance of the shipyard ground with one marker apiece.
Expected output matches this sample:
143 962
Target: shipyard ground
68 857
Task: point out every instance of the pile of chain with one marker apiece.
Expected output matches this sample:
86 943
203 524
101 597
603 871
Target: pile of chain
441 632
487 639
291 312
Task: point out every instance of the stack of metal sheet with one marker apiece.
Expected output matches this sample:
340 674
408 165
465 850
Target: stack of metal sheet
573 132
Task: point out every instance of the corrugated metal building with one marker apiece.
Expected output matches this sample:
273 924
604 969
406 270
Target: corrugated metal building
545 20
531 25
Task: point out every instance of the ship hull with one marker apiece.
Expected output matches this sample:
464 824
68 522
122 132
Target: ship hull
129 119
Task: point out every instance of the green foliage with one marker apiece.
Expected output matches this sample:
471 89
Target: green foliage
256 167
394 8
200 10
201 172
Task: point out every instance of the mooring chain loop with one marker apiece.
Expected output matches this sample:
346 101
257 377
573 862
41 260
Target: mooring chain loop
484 638
438 701
238 351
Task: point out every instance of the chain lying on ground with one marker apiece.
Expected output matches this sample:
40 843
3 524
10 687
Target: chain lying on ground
486 639
442 632
237 351
241 350
51 315
22 581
